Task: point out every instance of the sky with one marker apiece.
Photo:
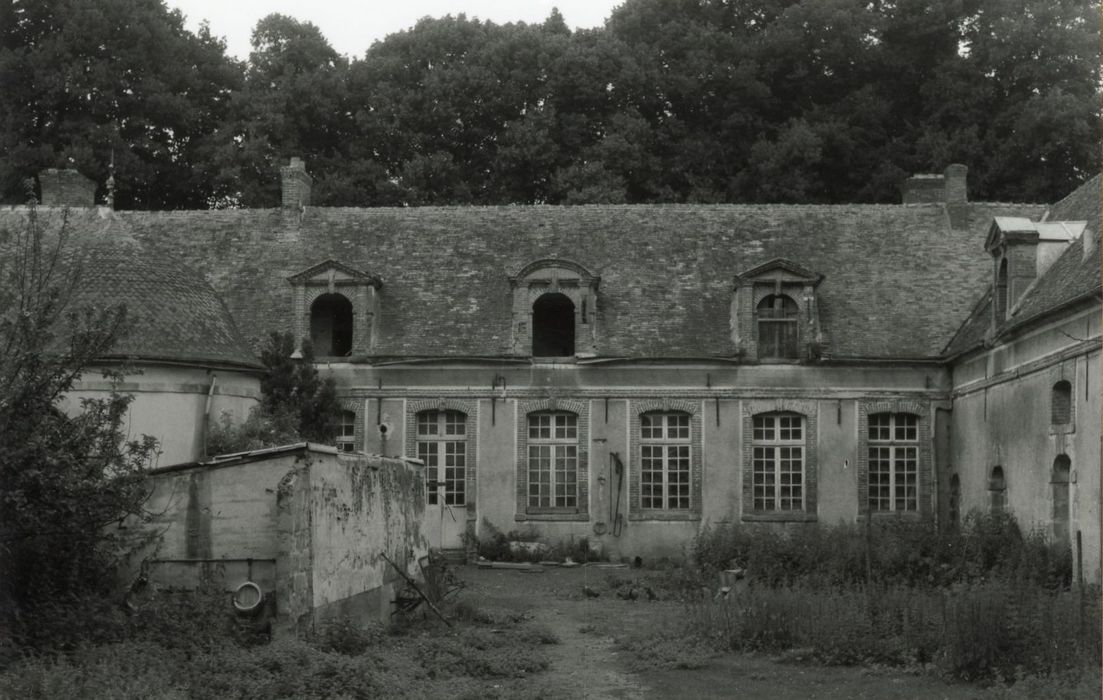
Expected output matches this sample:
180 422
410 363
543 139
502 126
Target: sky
352 25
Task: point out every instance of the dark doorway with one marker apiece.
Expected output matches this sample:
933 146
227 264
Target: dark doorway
553 326
331 325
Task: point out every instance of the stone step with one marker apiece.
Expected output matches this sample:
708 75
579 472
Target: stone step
454 556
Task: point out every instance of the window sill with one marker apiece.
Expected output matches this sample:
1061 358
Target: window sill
781 517
553 516
564 360
892 514
780 360
1062 429
665 515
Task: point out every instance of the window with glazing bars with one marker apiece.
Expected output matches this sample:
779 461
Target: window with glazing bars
777 327
346 432
665 461
893 444
442 445
553 460
777 462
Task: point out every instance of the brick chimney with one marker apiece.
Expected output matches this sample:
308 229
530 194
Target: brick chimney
948 188
66 188
295 184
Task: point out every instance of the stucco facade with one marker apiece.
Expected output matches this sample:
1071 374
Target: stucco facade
629 374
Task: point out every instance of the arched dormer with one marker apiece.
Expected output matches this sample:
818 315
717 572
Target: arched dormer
775 314
335 307
554 309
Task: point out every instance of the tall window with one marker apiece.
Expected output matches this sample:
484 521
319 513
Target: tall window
1060 483
997 491
553 460
665 461
553 326
777 327
442 445
893 462
777 462
1061 403
331 325
346 432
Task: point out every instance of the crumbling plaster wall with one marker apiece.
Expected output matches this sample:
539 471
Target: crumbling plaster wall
337 517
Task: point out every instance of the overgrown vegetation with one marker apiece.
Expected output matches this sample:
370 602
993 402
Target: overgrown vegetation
529 546
62 478
892 552
296 404
199 656
983 602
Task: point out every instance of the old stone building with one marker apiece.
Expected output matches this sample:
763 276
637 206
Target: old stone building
630 373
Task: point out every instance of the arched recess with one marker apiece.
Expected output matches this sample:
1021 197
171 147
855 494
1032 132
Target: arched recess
1059 482
997 491
553 326
331 325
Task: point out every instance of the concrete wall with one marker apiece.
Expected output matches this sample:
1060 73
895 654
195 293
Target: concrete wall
306 524
362 508
719 395
170 403
1001 417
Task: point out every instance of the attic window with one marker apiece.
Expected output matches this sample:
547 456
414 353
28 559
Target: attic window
553 326
331 325
556 310
777 327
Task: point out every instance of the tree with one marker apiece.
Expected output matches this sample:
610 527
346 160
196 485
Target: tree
62 479
88 84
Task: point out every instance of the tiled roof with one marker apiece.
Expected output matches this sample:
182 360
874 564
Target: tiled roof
176 315
1072 276
898 280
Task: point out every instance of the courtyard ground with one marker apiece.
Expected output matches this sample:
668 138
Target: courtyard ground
613 646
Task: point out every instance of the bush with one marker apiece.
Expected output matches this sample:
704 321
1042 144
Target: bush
494 545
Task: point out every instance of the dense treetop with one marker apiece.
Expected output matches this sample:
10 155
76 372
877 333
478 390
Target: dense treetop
671 101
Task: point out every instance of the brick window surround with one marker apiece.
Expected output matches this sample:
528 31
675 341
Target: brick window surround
346 431
442 446
809 429
356 408
555 276
654 408
469 409
924 458
332 277
581 410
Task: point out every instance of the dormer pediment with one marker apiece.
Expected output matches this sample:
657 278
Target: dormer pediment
554 272
333 273
778 270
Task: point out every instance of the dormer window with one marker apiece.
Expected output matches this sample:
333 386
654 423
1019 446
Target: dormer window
1001 292
553 326
776 317
331 325
554 310
775 314
335 307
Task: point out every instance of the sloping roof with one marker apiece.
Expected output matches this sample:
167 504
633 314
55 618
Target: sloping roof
1072 276
176 315
897 279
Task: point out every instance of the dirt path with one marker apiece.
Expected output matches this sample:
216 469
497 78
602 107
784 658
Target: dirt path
615 648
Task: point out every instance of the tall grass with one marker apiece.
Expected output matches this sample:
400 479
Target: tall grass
984 601
989 630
